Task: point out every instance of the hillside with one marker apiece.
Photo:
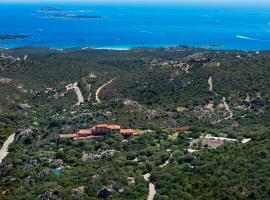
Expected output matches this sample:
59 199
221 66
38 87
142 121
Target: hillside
175 96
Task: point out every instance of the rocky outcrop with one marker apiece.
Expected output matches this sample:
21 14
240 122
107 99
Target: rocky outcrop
106 192
23 106
4 80
58 95
34 163
4 168
111 152
92 157
30 180
21 134
78 191
30 163
152 114
131 103
49 195
86 114
131 180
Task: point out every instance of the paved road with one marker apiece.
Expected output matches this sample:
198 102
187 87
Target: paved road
79 94
152 190
100 88
4 150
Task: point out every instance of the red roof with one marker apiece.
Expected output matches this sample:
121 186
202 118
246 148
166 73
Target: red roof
101 125
126 131
80 138
85 131
213 142
182 129
85 134
114 127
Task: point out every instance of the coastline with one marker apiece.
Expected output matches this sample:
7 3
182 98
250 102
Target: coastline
118 48
112 48
127 48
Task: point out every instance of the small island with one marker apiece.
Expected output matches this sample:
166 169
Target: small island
56 10
72 16
50 9
13 37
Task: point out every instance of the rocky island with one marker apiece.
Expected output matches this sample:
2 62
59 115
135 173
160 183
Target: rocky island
13 37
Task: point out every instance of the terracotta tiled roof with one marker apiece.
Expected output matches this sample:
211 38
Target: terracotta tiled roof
101 126
86 134
85 131
126 131
212 142
181 129
80 138
114 127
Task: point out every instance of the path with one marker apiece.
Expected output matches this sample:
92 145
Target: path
226 105
90 93
79 94
187 68
166 162
4 150
152 190
227 108
210 83
100 88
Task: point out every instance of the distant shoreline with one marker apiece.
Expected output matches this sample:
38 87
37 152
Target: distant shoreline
210 46
172 47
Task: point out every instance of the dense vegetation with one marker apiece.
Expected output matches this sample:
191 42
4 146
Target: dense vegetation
154 89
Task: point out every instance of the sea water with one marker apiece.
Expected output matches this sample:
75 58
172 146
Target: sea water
123 26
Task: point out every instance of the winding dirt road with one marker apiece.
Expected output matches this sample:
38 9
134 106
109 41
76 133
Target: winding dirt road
79 94
166 162
210 83
227 108
152 190
100 88
4 150
226 105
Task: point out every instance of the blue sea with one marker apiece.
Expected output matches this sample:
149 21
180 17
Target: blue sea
123 26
